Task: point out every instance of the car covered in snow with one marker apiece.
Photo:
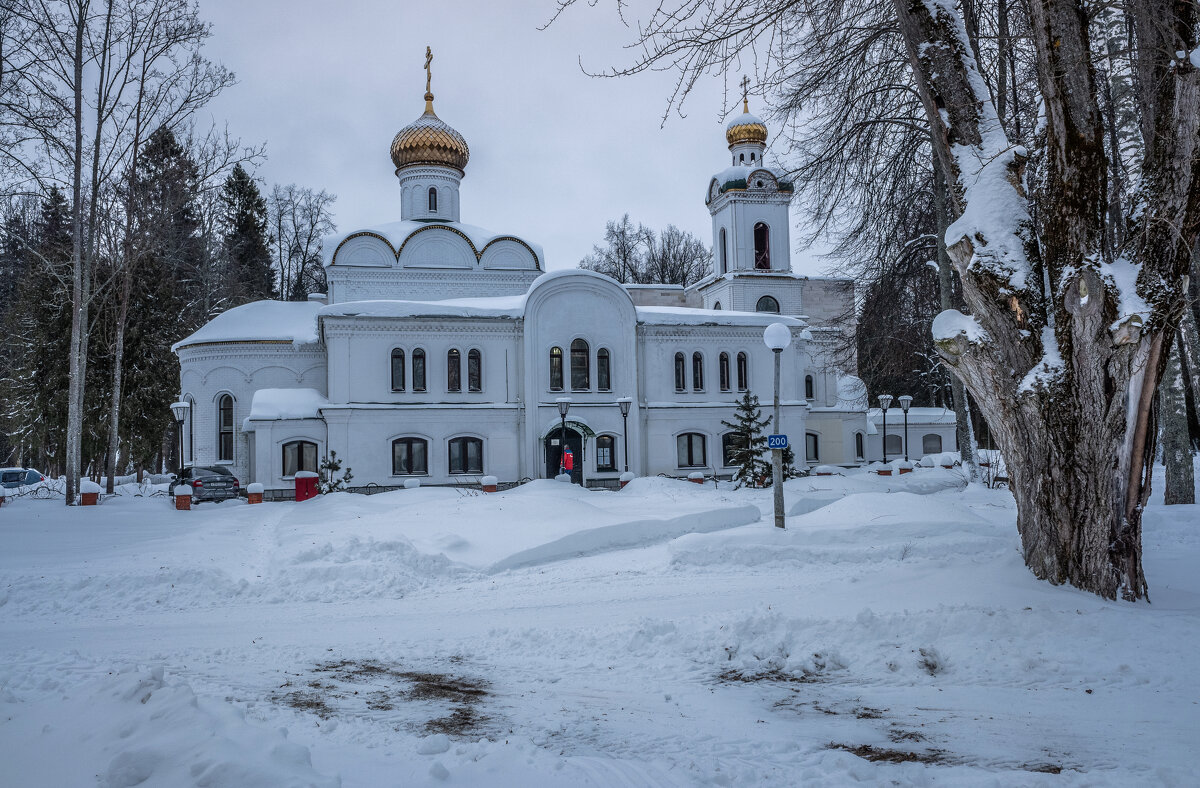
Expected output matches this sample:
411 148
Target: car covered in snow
209 482
20 477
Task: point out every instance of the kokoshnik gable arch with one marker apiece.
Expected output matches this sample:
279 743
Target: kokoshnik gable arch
441 348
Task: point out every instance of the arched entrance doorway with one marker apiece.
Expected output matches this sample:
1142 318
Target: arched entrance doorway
554 453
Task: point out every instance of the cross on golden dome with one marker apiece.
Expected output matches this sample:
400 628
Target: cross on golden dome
429 139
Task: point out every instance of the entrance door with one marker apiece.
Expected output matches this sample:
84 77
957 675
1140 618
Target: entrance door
554 453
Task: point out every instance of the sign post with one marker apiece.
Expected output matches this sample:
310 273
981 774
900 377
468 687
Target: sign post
777 336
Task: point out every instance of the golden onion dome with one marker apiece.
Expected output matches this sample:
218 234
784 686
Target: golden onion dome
430 140
745 128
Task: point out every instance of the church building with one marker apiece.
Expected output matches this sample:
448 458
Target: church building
443 351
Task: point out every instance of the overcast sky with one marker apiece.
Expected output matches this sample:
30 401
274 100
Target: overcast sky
554 153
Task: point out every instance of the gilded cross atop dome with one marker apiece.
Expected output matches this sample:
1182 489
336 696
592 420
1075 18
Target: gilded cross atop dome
429 139
428 75
746 127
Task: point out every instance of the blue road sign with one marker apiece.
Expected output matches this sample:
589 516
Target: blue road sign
776 441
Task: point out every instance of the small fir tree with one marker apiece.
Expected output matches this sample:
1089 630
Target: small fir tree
330 465
747 454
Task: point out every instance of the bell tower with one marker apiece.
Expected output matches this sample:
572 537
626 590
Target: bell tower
749 203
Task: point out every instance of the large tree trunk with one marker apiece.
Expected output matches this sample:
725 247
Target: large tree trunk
79 311
1062 351
963 434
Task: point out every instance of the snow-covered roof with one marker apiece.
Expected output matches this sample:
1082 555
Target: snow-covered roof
497 306
260 321
680 315
396 233
915 415
276 404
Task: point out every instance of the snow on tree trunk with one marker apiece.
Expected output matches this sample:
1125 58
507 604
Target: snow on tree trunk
1064 345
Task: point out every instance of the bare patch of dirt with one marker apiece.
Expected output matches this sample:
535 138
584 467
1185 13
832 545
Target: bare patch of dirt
887 755
733 676
372 687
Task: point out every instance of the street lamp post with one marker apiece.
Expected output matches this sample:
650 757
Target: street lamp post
905 402
885 402
564 404
777 336
624 403
180 411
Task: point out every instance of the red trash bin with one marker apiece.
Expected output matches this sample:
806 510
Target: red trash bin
306 485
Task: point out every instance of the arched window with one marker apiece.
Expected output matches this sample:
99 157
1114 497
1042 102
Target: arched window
603 370
751 157
742 158
453 370
931 444
410 456
723 370
225 427
762 247
767 304
808 387
742 371
858 446
418 370
299 456
466 455
812 447
717 305
432 200
894 445
732 443
606 455
556 369
724 254
581 376
397 370
697 372
680 383
474 371
689 449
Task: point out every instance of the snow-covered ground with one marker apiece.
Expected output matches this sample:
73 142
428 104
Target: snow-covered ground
666 634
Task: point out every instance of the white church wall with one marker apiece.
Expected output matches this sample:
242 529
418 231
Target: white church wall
239 369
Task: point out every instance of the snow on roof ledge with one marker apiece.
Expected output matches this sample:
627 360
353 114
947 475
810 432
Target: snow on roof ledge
681 315
260 321
279 404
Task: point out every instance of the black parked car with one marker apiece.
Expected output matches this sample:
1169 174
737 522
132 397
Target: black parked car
209 483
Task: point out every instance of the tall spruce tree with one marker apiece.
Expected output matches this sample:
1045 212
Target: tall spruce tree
34 386
167 296
248 276
748 423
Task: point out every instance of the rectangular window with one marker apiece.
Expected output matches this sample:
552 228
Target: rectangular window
466 455
690 450
603 373
474 371
397 370
418 381
811 447
299 456
604 453
410 456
